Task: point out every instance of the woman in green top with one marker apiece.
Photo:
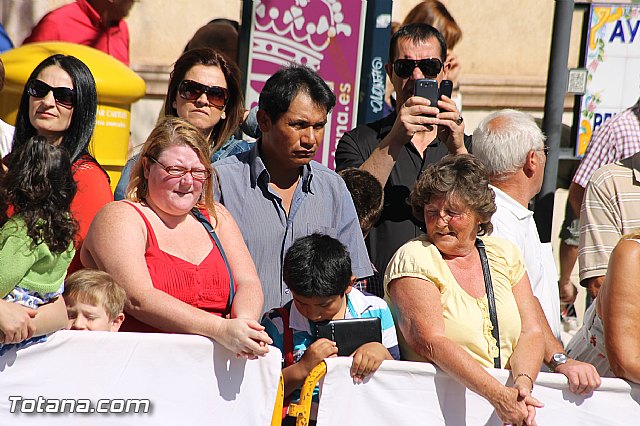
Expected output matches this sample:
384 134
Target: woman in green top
36 240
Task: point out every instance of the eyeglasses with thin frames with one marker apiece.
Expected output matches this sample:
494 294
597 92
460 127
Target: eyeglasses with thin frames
178 172
446 217
545 149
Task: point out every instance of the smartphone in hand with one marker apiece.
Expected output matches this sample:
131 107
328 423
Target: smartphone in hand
446 88
427 88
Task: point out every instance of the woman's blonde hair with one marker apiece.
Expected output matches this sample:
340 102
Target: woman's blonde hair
174 131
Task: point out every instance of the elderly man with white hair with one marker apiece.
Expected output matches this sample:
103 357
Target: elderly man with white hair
513 149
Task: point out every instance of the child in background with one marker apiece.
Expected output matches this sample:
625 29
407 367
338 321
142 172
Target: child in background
317 270
95 302
368 197
36 242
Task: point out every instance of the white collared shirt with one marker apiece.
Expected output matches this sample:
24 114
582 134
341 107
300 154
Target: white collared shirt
515 223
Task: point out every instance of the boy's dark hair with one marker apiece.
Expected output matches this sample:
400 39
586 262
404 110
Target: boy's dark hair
367 194
317 266
39 185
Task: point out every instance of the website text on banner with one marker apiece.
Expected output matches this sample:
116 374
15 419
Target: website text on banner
93 377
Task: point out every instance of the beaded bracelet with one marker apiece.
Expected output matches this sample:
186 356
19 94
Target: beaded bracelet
525 375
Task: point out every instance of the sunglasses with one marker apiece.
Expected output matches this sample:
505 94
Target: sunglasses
63 95
430 67
192 90
177 171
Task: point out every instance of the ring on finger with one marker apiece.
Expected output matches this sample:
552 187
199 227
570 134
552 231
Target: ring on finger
459 120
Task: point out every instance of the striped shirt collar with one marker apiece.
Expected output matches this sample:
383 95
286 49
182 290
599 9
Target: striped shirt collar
633 164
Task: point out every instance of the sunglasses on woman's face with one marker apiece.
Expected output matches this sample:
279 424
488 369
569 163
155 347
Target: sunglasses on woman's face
191 90
430 67
63 95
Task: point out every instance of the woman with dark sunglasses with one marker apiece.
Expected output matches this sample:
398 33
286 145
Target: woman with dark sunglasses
204 89
60 102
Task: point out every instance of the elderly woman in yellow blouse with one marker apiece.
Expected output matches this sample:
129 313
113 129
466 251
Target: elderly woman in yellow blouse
436 289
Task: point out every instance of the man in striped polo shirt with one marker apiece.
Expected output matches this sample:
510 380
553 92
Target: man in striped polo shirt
611 209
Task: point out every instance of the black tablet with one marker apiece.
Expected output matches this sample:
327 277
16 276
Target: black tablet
350 334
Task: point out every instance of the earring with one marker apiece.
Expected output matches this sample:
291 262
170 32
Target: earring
223 115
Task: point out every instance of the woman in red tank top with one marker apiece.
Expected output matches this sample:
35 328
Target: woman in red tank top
179 276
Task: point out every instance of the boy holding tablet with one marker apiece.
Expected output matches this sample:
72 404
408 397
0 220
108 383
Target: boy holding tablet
317 270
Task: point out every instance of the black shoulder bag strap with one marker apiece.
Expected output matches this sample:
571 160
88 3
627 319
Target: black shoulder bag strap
491 301
232 288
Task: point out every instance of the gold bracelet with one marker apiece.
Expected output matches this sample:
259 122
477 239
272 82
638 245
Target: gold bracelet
525 375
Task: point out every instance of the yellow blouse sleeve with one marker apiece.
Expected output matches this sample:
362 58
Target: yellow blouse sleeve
505 258
417 259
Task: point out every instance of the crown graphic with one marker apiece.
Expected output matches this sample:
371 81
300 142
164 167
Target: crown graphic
296 30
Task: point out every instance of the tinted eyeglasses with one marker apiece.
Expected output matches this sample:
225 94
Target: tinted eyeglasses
192 90
63 95
434 212
430 67
177 171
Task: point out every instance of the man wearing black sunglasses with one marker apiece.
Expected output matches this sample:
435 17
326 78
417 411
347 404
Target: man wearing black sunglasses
397 148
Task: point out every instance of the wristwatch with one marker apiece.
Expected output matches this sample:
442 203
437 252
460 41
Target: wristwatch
557 359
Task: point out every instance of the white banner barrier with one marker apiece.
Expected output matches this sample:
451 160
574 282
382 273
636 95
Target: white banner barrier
408 393
176 379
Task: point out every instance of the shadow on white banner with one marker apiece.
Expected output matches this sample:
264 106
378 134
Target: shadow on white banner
410 393
82 377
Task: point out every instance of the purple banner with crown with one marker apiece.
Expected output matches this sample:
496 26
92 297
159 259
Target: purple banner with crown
325 35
